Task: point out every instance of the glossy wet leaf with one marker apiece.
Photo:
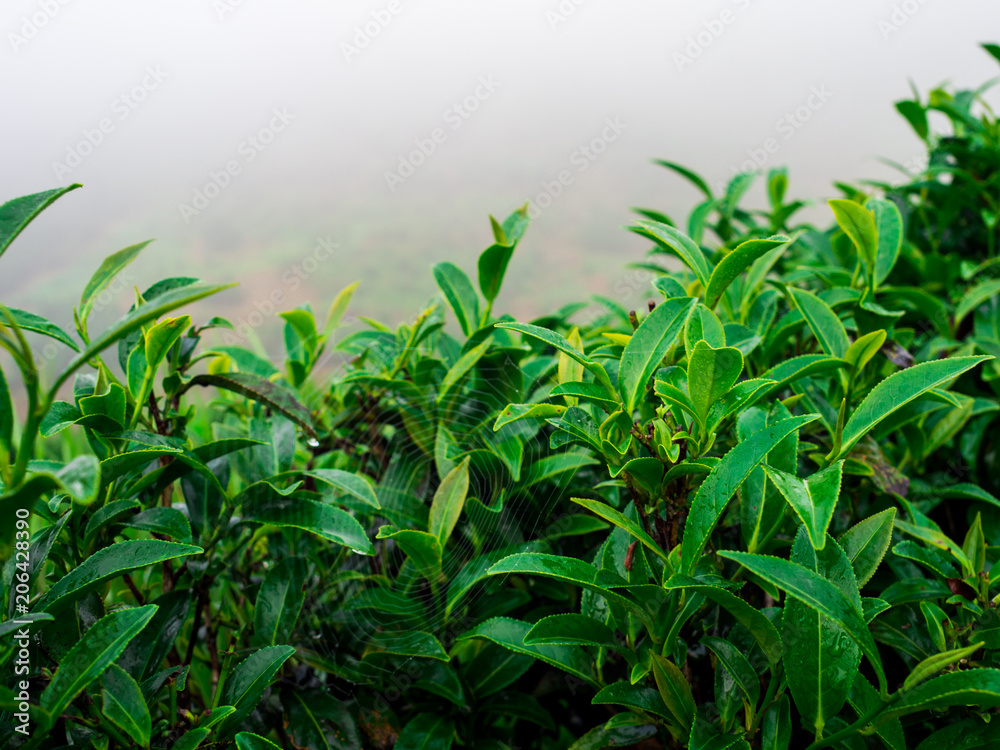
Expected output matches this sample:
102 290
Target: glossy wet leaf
812 499
246 684
711 374
866 542
648 346
448 501
124 706
735 263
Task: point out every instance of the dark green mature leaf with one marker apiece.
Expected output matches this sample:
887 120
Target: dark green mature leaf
864 699
933 664
266 392
790 370
735 263
250 741
279 601
759 626
571 630
103 276
623 522
675 691
246 683
510 634
16 214
970 687
648 346
109 563
515 412
897 390
460 294
89 657
823 322
427 732
866 542
422 548
811 589
820 657
317 518
7 416
974 297
622 693
813 499
715 492
734 661
124 705
776 727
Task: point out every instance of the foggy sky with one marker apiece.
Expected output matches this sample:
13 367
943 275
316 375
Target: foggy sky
303 111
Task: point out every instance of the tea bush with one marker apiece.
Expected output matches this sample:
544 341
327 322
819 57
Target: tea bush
758 511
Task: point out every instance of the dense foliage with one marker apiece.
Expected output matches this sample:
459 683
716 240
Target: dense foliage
758 511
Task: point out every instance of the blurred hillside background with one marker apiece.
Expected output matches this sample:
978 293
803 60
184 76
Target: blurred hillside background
298 146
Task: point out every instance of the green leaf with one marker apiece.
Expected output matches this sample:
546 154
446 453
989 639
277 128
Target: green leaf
109 563
916 115
858 224
246 684
460 294
427 732
648 346
701 324
37 324
515 412
355 485
678 243
776 727
790 370
465 363
265 392
160 520
140 316
449 499
317 518
889 231
279 601
711 374
571 570
15 215
813 499
969 687
124 705
974 297
510 634
573 630
825 658
623 522
559 342
162 336
866 542
860 352
422 548
760 627
715 492
864 699
109 269
823 322
818 593
492 268
97 650
250 741
675 691
734 661
338 307
936 663
735 263
643 698
897 390
687 174
7 415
